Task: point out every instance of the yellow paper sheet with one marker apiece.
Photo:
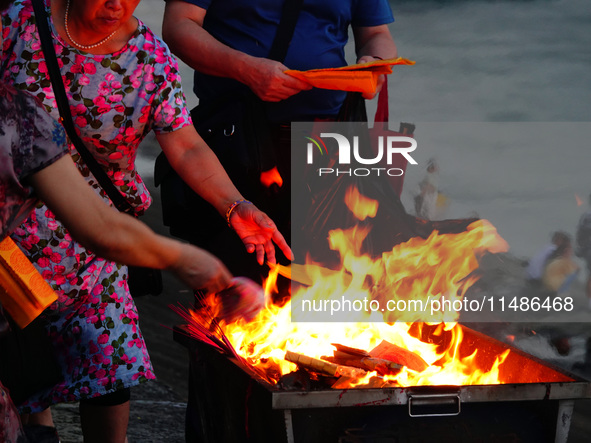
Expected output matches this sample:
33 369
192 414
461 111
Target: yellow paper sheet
24 293
361 77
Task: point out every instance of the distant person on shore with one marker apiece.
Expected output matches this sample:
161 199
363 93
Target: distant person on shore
537 264
583 246
560 269
430 204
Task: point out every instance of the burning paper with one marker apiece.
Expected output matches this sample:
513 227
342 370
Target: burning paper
431 268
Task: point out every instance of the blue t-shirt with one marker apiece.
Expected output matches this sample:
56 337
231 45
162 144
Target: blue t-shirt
321 33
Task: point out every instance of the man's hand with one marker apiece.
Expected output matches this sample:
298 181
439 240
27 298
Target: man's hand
267 79
381 78
374 43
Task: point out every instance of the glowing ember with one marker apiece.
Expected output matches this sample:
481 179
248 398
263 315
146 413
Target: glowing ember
362 207
434 269
271 177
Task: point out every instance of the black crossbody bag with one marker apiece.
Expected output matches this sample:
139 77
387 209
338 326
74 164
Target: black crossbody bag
141 280
237 130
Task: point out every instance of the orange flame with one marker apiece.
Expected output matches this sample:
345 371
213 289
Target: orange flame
271 177
435 268
361 206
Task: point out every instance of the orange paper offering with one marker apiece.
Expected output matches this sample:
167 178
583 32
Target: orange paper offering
358 78
24 293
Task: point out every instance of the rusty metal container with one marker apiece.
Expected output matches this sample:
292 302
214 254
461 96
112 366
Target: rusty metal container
229 404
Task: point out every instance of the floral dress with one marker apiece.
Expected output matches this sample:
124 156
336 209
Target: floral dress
115 99
29 141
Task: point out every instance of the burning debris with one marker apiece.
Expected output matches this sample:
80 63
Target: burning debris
373 347
278 380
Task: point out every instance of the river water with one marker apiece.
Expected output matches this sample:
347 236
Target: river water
496 67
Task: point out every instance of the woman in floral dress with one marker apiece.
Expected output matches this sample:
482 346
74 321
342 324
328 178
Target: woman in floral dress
122 82
30 140
34 164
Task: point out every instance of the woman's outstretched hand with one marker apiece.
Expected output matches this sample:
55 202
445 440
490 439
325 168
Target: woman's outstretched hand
258 233
199 269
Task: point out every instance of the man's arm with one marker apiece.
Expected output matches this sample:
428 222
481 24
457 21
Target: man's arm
374 43
182 29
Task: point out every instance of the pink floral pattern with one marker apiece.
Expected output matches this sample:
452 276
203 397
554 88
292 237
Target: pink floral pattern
11 430
29 141
115 99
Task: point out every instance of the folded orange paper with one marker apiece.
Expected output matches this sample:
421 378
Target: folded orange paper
362 77
24 293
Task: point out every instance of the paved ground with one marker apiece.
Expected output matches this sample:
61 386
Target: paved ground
157 415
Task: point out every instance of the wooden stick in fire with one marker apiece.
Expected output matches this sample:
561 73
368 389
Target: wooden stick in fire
380 365
360 358
324 367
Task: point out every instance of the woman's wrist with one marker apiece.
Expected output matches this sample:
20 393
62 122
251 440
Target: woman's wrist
233 207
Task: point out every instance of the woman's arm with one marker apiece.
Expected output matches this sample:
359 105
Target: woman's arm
120 237
199 167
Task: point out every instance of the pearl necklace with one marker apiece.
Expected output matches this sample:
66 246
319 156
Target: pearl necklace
74 41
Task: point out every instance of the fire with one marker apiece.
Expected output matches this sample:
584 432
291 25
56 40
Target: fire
420 270
361 206
271 177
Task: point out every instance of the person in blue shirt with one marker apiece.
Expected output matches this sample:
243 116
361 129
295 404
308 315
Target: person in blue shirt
228 42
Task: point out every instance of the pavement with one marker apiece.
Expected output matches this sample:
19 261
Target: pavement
157 415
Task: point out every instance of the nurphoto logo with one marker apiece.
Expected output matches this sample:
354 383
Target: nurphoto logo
377 160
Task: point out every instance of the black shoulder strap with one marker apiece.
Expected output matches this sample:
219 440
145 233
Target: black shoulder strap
287 24
64 109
